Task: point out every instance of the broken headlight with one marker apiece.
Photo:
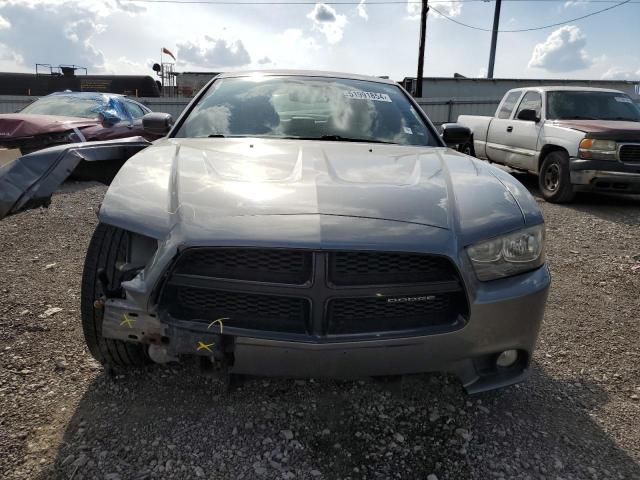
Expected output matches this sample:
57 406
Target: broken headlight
509 254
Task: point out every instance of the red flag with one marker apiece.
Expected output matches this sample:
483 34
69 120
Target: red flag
166 50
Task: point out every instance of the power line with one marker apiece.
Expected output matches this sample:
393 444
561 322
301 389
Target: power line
564 22
404 2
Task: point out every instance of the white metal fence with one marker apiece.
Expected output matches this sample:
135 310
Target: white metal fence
439 110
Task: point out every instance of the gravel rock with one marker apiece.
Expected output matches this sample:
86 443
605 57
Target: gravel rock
575 418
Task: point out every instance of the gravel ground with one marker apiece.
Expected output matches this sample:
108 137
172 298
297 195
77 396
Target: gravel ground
578 417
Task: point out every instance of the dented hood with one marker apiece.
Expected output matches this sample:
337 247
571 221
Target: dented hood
193 184
15 125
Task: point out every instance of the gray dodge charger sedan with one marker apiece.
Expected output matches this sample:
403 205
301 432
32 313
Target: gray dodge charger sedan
315 224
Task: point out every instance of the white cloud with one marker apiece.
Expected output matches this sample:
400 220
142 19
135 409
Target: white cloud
447 7
65 33
328 21
292 49
130 7
362 10
619 73
4 23
562 51
126 66
264 61
214 53
575 3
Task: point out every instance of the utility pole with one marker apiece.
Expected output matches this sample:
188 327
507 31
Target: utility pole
494 38
423 35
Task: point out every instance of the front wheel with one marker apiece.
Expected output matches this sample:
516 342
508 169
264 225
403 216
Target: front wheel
467 149
109 245
554 178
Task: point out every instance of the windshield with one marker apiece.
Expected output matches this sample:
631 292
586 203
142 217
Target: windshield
307 108
65 105
578 105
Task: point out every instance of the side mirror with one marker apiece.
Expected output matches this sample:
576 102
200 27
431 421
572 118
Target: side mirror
528 115
108 117
157 123
455 134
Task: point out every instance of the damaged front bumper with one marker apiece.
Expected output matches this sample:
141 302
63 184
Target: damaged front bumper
506 314
29 181
605 175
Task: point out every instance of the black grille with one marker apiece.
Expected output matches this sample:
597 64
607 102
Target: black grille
261 265
282 291
630 153
242 310
374 268
360 315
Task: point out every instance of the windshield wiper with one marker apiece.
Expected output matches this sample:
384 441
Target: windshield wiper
332 138
340 138
335 138
626 119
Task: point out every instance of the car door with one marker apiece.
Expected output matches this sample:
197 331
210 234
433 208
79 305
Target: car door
137 111
522 136
130 124
497 135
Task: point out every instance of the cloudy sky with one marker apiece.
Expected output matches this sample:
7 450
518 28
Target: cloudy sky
124 36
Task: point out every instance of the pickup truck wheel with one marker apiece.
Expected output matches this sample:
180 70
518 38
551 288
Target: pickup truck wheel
108 246
467 149
554 178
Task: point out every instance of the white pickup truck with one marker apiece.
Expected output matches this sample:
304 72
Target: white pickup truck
573 138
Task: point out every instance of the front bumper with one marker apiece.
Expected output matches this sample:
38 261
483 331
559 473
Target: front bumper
605 175
504 314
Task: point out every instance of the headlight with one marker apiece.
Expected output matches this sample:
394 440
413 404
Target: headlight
591 149
509 254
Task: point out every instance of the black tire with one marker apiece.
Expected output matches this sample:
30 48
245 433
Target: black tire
554 178
467 149
107 247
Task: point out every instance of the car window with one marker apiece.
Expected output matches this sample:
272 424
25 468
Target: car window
134 109
591 105
65 105
508 105
531 101
307 108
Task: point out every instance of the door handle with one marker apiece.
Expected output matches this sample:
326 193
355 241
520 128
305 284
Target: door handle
509 128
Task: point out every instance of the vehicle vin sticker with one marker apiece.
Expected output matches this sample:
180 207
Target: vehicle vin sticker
360 95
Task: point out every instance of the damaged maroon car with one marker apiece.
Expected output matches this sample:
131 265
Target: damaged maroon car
71 117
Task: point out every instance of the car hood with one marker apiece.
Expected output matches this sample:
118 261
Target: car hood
605 129
13 125
195 183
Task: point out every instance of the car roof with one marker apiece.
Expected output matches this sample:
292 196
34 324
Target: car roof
89 95
552 88
306 73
